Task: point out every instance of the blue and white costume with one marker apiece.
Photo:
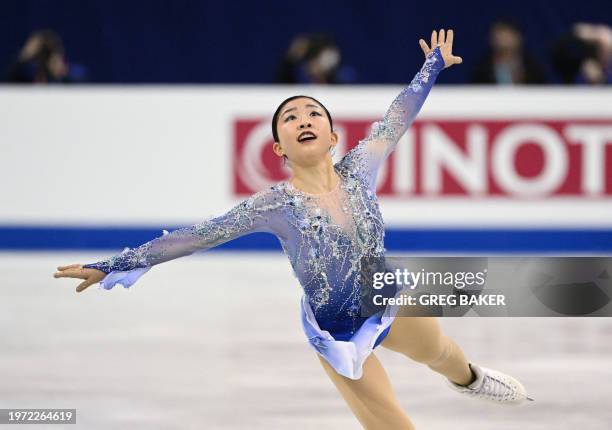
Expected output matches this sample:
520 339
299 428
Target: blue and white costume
325 237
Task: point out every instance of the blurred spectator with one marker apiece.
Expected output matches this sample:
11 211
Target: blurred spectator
314 59
506 62
585 55
42 60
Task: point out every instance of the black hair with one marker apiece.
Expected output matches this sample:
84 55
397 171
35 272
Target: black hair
278 110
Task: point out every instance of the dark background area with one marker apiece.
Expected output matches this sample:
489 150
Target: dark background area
190 41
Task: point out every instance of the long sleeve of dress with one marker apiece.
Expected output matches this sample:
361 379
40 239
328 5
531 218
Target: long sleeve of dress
254 214
371 152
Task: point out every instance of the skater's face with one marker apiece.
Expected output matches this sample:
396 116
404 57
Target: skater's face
304 132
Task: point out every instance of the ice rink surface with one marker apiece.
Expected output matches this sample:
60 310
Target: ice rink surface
214 341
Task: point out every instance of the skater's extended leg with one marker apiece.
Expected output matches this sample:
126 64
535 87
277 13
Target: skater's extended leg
421 339
371 398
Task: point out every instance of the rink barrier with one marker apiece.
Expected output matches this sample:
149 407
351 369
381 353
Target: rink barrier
506 240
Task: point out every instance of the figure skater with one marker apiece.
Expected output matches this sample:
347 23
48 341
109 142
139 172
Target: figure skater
327 219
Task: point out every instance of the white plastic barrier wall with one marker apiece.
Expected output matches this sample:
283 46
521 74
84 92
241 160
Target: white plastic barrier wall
117 155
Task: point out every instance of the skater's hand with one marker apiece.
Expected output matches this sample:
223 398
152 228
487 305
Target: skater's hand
445 42
91 276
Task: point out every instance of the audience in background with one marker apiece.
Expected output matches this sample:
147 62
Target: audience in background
42 60
314 59
585 55
506 61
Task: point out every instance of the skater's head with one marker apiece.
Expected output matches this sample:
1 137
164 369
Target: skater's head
303 130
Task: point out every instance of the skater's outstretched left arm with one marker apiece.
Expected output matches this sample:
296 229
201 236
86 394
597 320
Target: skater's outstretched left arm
374 149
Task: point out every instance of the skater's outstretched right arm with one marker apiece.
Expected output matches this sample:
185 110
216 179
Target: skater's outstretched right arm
254 214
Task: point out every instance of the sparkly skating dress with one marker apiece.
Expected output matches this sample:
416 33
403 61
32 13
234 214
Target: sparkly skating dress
325 237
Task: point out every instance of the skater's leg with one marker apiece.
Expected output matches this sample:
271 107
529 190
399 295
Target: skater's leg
371 398
420 339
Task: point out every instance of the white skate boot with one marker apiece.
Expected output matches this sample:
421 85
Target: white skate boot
494 386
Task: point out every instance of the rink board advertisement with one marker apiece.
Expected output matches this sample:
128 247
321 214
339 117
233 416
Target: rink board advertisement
480 170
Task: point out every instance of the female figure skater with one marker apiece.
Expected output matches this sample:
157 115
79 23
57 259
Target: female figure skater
327 218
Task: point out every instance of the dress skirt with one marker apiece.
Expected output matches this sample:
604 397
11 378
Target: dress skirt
347 357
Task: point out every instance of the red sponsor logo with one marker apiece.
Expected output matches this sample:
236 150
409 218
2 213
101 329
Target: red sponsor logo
471 158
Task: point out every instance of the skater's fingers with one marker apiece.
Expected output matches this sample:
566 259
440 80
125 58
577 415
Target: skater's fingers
424 46
434 39
62 274
83 285
70 266
449 38
71 273
441 38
